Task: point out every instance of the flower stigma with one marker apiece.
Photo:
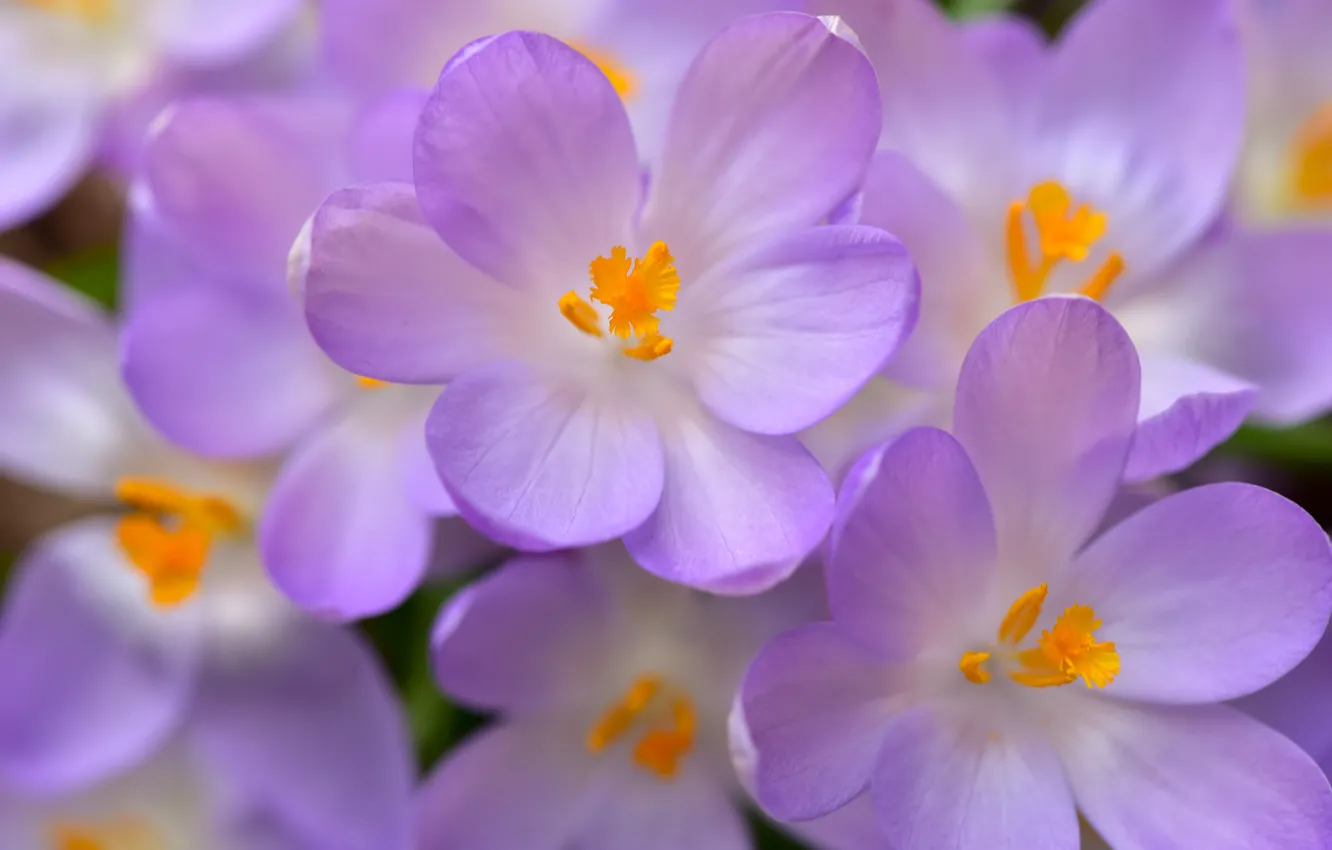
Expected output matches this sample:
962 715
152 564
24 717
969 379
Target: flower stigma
1312 157
669 720
119 833
370 383
1063 233
85 11
622 77
635 290
1062 654
169 532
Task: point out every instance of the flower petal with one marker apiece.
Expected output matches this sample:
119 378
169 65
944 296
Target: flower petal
949 781
773 126
87 697
1208 594
695 810
816 704
386 299
1046 405
1203 776
1153 141
1296 704
341 535
738 512
525 162
541 464
225 370
524 637
1014 48
46 144
209 32
314 730
1187 410
380 147
803 322
914 539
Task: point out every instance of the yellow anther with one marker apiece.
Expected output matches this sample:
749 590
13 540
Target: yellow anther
972 666
1063 233
168 534
650 348
669 720
635 290
370 383
88 11
622 78
1022 614
580 314
1311 154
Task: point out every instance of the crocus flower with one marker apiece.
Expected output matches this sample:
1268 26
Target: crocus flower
621 366
985 675
122 631
65 65
1013 170
613 689
219 358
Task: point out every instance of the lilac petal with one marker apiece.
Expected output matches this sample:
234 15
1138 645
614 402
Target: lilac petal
958 297
816 704
87 697
524 638
382 137
341 535
211 32
949 781
424 488
912 545
806 320
1187 410
1153 141
234 179
738 511
742 155
1046 405
65 420
385 298
695 810
45 146
520 784
1014 48
525 162
314 730
460 549
1161 777
1208 594
544 462
227 371
1296 704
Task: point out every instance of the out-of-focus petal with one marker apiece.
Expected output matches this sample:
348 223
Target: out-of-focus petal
1015 49
695 810
380 147
45 145
211 32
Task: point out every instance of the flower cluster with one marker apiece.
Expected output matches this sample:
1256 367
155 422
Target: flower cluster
782 396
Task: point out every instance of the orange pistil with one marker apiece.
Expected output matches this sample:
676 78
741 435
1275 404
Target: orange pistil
1063 234
635 290
669 718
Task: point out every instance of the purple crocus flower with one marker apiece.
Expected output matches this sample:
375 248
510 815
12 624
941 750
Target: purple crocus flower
219 358
986 675
614 689
121 632
1012 170
66 66
658 402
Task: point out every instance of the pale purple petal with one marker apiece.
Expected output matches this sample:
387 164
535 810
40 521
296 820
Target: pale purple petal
1187 409
341 535
86 696
313 729
525 638
773 126
521 784
915 537
1208 594
385 298
694 810
227 370
816 704
1296 704
1046 406
801 323
380 147
945 779
738 511
541 462
525 162
1142 116
418 469
1161 778
1015 50
212 32
45 146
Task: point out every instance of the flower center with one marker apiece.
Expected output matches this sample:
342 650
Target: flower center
125 832
666 718
621 76
635 290
1062 233
168 534
1062 654
85 11
370 383
1312 155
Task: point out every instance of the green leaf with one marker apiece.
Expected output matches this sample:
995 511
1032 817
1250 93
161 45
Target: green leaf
94 272
973 8
1304 445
